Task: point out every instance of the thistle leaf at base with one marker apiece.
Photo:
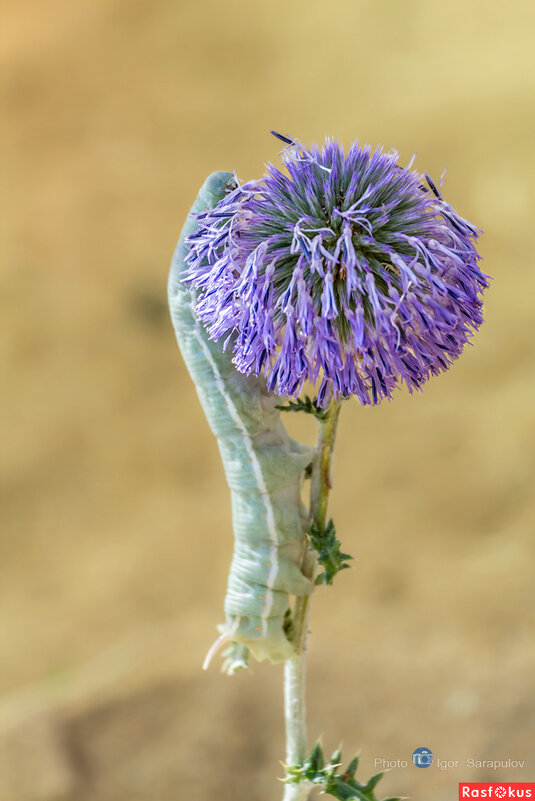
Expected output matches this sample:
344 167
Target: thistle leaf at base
341 785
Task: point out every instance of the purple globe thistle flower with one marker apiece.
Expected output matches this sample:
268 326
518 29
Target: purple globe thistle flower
348 271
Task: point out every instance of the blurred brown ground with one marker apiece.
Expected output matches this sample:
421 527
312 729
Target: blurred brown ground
116 537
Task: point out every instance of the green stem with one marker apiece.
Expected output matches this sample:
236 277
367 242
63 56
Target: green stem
295 668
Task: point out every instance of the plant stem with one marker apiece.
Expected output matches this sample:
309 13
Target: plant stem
295 668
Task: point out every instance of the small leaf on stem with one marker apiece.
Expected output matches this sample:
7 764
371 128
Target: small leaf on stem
306 405
330 556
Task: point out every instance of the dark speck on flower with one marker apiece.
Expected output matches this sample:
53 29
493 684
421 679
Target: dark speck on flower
346 270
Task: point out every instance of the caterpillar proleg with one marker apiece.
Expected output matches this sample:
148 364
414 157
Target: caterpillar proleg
263 467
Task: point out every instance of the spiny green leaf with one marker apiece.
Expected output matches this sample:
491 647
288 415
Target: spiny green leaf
373 781
306 405
315 761
330 557
336 759
343 791
342 786
351 769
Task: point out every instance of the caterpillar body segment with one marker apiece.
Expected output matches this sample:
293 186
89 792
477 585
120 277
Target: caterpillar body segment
263 468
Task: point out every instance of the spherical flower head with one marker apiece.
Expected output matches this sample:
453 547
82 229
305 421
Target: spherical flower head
346 270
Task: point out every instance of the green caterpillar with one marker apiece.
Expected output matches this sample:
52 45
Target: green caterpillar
263 467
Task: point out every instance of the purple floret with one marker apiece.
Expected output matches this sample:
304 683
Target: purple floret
348 271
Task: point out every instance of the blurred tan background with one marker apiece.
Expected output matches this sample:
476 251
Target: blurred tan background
116 537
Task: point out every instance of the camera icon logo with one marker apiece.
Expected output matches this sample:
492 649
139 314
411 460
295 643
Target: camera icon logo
422 757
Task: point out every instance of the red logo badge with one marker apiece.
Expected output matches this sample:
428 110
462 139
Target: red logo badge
496 790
